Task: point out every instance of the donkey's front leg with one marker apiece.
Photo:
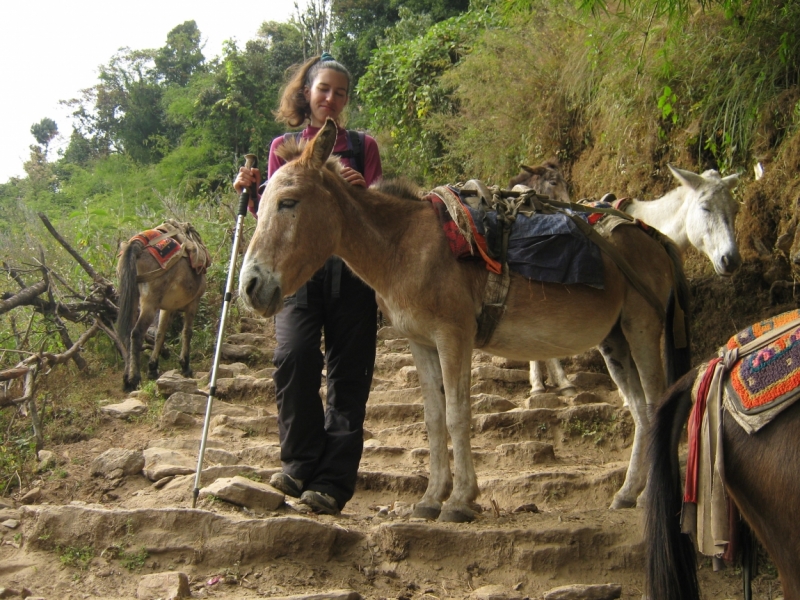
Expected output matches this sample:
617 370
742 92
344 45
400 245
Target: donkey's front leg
440 483
456 362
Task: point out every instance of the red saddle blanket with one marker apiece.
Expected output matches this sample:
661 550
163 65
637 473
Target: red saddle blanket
459 245
770 375
162 250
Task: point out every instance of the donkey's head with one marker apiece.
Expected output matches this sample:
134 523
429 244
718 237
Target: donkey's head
298 227
711 216
545 179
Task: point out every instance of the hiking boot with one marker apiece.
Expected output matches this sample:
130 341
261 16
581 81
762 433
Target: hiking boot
320 503
286 484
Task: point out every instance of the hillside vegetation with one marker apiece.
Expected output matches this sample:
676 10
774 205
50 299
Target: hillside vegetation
452 92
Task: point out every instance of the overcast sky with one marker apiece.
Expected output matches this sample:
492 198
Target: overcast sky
50 49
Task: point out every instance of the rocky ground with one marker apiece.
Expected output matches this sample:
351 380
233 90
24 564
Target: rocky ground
111 515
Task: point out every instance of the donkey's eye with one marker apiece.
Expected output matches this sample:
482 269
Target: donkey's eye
287 204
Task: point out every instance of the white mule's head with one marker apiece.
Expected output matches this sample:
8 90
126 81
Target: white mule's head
711 216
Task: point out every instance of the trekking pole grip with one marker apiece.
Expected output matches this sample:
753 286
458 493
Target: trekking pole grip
250 162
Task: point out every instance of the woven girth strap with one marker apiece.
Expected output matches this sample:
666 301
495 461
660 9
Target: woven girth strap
494 306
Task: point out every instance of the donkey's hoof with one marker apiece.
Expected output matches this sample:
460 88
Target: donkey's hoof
429 513
457 515
620 503
570 391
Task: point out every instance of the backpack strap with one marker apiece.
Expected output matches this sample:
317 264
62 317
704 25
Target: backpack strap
355 149
292 135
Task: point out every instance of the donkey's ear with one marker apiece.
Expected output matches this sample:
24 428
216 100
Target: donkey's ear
731 180
316 153
687 178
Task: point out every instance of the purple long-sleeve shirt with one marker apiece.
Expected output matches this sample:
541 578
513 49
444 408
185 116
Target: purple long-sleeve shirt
372 158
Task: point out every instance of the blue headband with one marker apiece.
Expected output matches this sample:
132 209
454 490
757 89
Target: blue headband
326 57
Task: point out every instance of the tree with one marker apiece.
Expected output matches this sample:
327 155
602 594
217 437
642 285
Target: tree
182 55
402 88
361 25
315 26
44 131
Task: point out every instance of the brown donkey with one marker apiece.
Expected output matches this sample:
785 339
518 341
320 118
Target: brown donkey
760 475
308 212
178 288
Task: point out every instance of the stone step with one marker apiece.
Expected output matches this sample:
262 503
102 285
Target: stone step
560 487
530 422
186 535
411 395
395 412
541 543
393 361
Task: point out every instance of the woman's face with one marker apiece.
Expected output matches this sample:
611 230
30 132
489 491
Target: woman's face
327 96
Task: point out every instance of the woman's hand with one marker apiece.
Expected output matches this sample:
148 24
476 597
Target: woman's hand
245 178
353 177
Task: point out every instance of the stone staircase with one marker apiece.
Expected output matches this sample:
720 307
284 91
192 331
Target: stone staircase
548 467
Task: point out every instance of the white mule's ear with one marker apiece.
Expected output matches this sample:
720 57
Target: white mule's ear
687 178
317 152
731 180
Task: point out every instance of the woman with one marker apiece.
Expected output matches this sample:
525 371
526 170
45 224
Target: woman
321 448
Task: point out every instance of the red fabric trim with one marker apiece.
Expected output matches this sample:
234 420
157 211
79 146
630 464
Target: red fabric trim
693 427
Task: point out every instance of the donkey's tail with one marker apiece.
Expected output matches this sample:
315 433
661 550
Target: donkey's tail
128 290
670 561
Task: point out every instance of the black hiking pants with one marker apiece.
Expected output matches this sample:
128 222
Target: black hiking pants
322 446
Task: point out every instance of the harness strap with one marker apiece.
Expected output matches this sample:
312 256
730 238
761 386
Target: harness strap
622 263
730 357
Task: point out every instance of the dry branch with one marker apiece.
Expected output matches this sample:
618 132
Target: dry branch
81 261
41 361
23 297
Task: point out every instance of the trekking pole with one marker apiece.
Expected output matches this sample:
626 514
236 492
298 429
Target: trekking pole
250 162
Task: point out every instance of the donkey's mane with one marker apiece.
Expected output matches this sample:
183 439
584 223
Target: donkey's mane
399 187
291 148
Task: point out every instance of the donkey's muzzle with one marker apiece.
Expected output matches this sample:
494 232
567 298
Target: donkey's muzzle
260 289
729 264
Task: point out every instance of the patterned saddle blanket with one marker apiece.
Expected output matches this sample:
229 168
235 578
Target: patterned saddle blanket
541 247
770 376
172 240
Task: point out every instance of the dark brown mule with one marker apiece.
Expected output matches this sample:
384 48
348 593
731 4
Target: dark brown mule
179 288
545 179
761 476
309 212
